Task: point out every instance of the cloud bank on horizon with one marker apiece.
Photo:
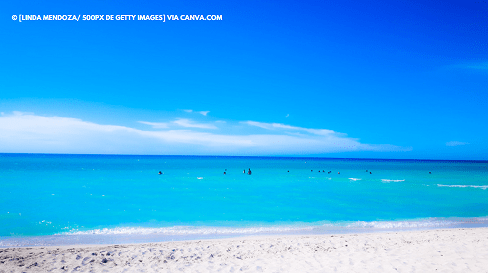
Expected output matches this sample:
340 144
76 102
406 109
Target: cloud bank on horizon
30 133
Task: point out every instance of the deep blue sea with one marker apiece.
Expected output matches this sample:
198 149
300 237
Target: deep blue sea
75 199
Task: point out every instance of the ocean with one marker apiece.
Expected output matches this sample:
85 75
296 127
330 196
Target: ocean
50 199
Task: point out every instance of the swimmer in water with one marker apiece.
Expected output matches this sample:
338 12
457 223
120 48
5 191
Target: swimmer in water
249 172
225 173
160 173
338 172
244 171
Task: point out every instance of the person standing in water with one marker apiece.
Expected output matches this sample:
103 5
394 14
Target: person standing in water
249 172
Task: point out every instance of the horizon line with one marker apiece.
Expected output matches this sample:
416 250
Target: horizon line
269 156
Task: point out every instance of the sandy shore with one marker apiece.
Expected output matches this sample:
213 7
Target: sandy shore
447 250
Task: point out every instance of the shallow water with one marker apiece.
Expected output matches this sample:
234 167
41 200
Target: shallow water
51 199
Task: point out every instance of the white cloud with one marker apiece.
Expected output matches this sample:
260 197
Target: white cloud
273 126
190 124
456 143
180 122
37 134
19 113
199 112
156 125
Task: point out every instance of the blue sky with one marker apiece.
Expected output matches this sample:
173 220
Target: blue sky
366 79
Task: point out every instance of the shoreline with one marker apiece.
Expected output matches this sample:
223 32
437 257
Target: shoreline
137 235
448 249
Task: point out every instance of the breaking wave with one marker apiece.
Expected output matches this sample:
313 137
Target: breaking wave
300 228
187 230
464 186
392 180
120 235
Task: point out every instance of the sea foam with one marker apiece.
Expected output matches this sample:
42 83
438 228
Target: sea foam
120 235
464 186
302 228
392 180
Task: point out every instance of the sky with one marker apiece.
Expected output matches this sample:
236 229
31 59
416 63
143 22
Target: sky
348 79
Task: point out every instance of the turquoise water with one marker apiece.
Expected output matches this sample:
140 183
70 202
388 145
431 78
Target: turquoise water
104 198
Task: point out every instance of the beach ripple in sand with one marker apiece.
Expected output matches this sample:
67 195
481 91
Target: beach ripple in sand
450 250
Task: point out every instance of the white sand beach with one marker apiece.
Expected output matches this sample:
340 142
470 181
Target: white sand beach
442 250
